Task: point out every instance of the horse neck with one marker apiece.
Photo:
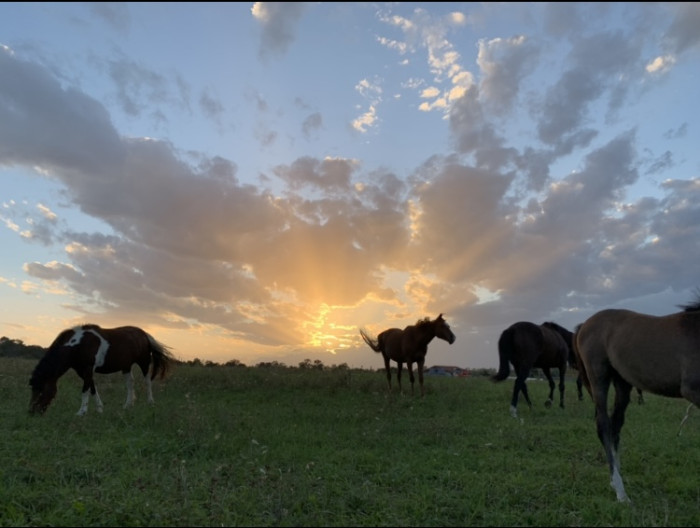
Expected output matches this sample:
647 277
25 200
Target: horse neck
52 366
425 333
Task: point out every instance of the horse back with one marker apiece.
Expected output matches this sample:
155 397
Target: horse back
649 352
526 338
127 345
555 350
401 345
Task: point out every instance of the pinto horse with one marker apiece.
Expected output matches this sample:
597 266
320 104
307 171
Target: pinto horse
656 354
409 346
527 345
88 349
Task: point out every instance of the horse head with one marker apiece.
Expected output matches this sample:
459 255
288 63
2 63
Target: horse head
43 394
443 330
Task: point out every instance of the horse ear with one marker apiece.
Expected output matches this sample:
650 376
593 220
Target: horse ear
440 316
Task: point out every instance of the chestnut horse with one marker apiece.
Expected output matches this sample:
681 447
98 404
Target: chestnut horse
656 354
409 346
88 349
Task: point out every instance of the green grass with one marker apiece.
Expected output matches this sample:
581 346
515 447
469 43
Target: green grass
308 447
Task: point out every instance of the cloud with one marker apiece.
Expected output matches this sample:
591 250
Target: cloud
539 217
278 21
312 123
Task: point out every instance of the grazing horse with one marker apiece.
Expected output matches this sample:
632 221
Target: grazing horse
528 345
656 354
408 346
88 349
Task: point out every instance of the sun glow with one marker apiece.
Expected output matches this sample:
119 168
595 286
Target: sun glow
327 332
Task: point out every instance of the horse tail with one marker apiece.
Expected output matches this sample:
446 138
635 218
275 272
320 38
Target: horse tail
579 361
374 345
161 356
505 352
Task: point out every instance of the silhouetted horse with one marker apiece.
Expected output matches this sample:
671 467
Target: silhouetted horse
528 345
409 345
660 355
88 349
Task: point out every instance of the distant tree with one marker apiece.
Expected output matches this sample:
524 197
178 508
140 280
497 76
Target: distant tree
271 364
234 363
306 364
17 348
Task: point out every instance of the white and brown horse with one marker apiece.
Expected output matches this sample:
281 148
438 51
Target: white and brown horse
88 349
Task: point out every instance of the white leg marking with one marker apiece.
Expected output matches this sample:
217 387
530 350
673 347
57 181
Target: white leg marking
513 411
98 402
149 388
130 394
84 405
616 480
687 413
101 350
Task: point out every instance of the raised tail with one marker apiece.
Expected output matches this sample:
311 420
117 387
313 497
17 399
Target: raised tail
374 345
162 358
505 352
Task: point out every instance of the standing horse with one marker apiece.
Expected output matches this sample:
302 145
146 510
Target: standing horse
88 349
408 346
657 354
528 345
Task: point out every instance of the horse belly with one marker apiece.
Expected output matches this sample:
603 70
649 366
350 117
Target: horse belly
657 372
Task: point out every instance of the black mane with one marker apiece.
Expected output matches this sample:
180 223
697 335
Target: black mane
693 306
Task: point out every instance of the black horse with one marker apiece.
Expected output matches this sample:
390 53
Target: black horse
527 345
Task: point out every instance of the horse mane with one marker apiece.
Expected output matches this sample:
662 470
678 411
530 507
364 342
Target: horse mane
693 306
49 366
422 322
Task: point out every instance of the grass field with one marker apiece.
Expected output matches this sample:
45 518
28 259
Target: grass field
270 446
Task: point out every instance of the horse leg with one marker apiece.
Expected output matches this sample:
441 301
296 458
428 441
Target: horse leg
420 376
130 394
640 397
687 414
548 374
398 375
622 399
690 390
562 375
89 388
579 387
149 387
519 386
387 368
410 375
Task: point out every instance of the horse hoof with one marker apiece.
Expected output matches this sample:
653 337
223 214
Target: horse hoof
548 404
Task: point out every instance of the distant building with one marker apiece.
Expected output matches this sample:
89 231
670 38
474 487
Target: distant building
442 370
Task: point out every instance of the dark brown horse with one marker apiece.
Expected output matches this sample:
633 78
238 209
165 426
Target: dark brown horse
528 345
88 349
660 355
409 346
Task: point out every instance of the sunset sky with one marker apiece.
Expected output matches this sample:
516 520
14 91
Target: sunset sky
257 181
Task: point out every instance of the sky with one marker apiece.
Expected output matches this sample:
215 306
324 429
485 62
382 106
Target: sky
258 181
